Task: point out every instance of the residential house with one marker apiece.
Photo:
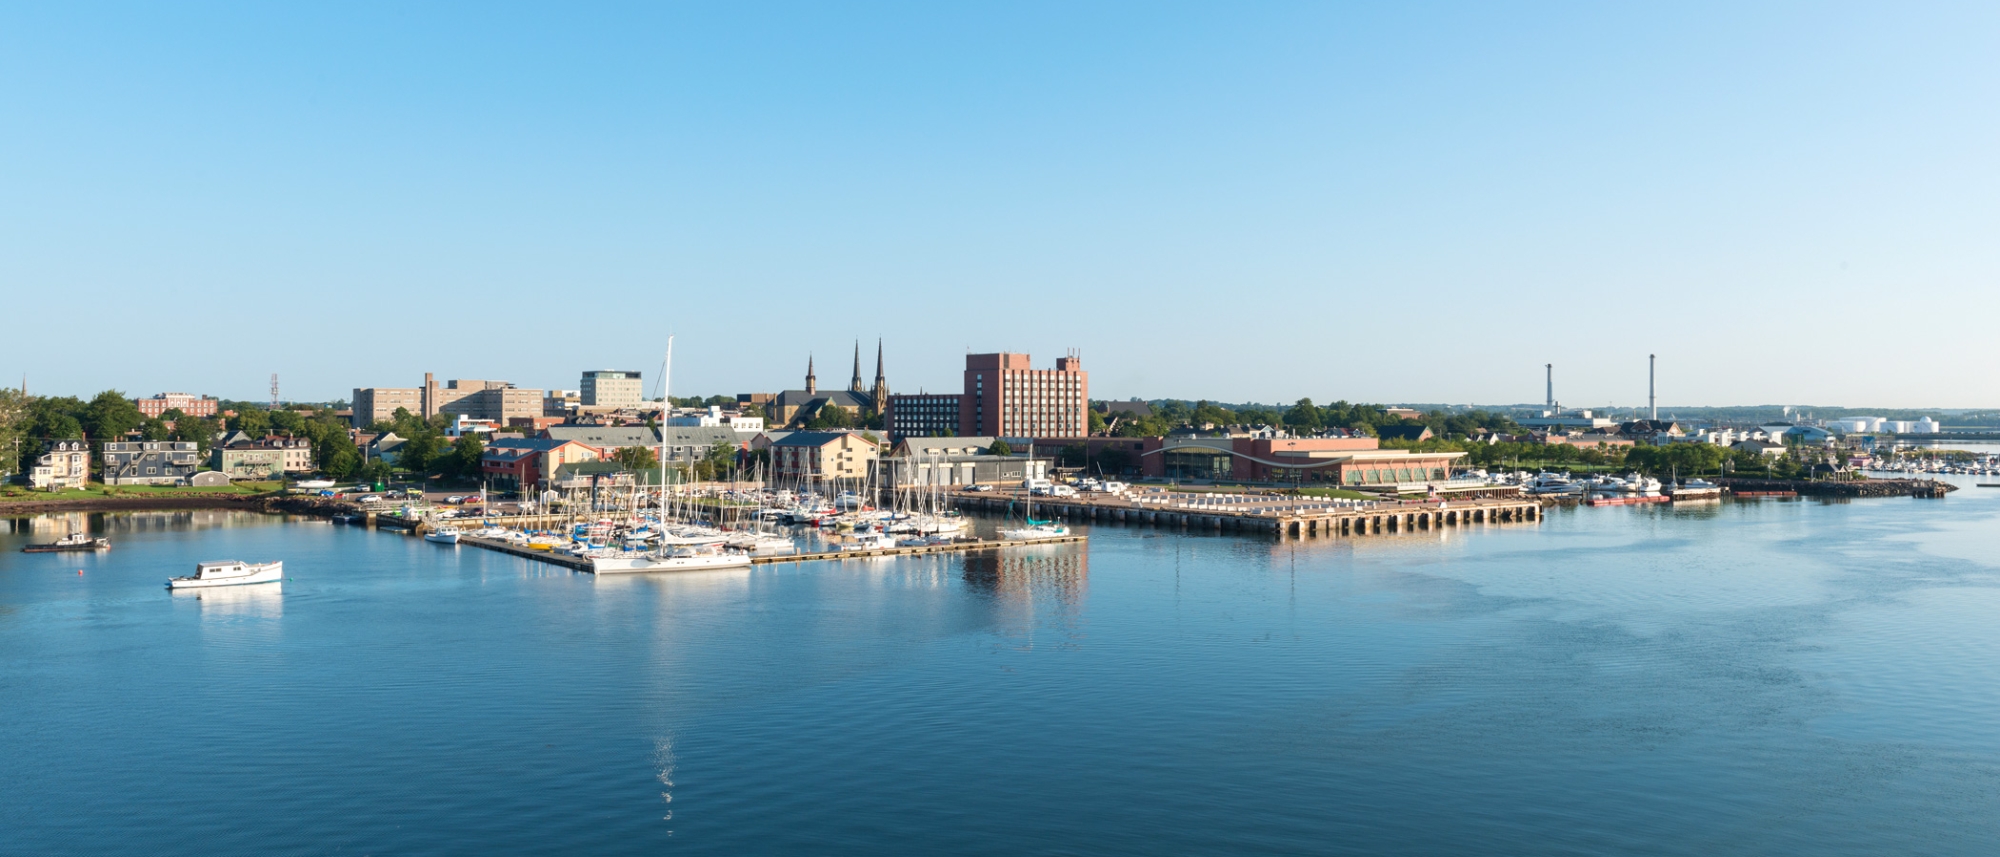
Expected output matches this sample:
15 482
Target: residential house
150 462
63 464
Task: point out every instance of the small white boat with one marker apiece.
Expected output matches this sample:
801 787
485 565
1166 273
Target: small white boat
229 572
313 484
443 536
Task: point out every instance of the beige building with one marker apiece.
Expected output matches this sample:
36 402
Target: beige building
823 455
379 404
63 464
611 388
498 401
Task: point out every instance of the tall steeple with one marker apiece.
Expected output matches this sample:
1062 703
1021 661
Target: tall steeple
812 383
881 383
854 386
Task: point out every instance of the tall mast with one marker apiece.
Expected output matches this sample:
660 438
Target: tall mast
666 405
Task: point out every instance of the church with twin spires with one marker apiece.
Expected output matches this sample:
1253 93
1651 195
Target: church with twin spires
798 407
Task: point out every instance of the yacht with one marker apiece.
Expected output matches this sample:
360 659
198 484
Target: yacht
229 572
443 536
1551 483
71 542
693 558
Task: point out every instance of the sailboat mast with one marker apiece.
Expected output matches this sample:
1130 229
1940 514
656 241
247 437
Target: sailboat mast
666 405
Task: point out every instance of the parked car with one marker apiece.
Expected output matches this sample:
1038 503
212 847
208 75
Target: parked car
454 499
372 498
1062 491
981 487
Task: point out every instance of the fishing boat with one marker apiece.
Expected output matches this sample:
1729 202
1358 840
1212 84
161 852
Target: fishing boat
71 542
229 572
443 536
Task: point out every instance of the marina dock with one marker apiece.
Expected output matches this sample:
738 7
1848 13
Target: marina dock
1280 515
583 564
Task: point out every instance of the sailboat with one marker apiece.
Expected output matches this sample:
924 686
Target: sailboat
673 554
1034 529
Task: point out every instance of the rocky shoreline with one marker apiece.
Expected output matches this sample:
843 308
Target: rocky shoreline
1857 488
266 503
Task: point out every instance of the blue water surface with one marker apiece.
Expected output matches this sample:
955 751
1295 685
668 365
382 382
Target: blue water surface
1745 678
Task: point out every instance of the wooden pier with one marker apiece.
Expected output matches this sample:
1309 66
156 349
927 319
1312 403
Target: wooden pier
1317 521
583 564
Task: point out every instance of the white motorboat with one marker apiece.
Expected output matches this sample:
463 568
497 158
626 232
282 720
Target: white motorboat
490 532
443 536
229 572
685 559
1550 483
1696 489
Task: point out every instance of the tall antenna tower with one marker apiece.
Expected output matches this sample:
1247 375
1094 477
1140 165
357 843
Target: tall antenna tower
274 391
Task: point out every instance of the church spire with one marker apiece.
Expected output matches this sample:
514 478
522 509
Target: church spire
854 386
812 383
881 391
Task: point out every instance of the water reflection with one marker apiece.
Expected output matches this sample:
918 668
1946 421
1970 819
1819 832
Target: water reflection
251 601
1032 587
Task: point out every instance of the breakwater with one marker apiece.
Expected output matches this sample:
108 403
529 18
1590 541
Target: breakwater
1856 488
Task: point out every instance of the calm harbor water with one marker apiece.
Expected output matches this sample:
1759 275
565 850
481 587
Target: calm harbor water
1749 678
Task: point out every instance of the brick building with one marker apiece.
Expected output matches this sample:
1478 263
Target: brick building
187 403
1005 397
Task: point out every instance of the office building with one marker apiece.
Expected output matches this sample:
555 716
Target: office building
921 415
611 388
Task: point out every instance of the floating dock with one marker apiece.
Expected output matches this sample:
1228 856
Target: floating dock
583 564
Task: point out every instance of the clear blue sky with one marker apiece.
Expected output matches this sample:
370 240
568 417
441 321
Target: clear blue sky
1376 202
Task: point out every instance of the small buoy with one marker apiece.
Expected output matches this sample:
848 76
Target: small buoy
79 572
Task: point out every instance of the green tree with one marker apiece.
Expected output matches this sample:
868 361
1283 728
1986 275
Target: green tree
465 455
110 415
999 447
255 422
13 430
1303 417
198 431
1097 424
342 464
290 422
636 458
418 452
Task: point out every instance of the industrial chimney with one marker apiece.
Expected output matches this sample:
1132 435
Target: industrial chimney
1551 369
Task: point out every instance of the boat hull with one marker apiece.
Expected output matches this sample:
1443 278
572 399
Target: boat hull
442 538
271 573
644 564
53 548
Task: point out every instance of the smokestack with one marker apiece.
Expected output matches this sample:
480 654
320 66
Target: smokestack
1652 403
1551 369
